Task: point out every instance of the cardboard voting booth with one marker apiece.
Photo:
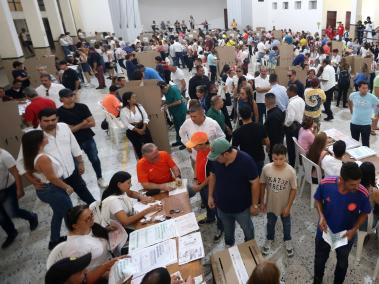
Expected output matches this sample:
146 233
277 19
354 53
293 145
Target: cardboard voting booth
149 95
286 55
337 45
10 125
225 55
277 34
235 265
147 58
282 73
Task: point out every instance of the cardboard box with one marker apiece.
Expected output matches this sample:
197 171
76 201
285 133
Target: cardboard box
225 55
337 45
224 265
286 55
147 58
277 34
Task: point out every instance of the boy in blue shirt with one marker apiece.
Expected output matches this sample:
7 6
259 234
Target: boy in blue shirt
342 204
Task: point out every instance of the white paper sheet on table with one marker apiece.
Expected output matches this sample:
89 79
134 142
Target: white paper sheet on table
121 271
335 240
361 152
179 190
338 135
190 248
151 235
186 224
139 207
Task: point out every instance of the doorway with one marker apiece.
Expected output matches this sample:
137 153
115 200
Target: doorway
226 19
331 19
347 20
49 35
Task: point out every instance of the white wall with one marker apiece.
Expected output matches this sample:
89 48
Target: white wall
370 8
261 14
341 7
172 10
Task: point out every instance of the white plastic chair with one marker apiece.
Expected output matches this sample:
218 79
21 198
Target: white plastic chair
362 235
308 167
55 255
298 164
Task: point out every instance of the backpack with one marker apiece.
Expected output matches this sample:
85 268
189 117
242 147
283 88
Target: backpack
344 79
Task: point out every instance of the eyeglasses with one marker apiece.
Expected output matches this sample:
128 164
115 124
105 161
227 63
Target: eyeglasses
238 71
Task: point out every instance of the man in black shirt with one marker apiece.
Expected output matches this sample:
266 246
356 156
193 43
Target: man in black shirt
96 63
15 92
293 81
19 73
70 78
80 120
251 137
274 123
197 80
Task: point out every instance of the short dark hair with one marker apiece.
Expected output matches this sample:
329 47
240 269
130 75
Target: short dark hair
45 75
195 108
63 62
363 82
16 81
16 64
245 112
113 88
46 112
157 276
339 148
138 75
279 149
292 88
350 171
273 78
198 67
270 96
158 58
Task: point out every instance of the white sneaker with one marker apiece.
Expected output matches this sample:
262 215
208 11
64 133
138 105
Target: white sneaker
289 248
267 247
101 182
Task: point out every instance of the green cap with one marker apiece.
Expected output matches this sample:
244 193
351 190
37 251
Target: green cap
218 146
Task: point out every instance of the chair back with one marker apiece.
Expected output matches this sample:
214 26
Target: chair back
308 168
298 150
55 255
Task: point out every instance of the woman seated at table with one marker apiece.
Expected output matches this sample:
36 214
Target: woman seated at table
306 135
317 152
135 118
116 201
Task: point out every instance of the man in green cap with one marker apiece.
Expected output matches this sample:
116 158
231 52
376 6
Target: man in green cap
233 188
177 108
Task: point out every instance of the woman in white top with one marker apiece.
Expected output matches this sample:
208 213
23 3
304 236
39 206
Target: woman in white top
116 203
135 118
55 191
10 191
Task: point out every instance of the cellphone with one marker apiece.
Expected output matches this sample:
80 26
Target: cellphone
153 192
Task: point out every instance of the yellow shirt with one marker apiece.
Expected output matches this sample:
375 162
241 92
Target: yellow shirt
313 100
303 42
234 24
231 43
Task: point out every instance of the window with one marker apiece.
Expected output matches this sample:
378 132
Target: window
261 0
285 5
297 5
15 5
41 5
312 5
274 5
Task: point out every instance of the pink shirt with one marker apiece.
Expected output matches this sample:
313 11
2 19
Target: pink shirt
306 138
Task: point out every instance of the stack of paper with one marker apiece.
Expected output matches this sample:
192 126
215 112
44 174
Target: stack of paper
361 152
335 240
178 190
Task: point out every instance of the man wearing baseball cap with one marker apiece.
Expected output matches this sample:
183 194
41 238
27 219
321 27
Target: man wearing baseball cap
233 188
199 141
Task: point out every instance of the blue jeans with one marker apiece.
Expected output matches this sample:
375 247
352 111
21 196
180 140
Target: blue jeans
261 111
9 207
362 131
89 147
271 222
211 213
179 59
229 222
59 202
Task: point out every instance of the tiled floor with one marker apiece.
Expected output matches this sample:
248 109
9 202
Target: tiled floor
25 260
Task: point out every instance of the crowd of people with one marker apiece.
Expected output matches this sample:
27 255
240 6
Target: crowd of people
239 128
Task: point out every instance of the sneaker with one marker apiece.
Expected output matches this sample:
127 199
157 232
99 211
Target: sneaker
289 248
9 240
218 235
267 247
101 182
34 222
182 147
328 118
176 144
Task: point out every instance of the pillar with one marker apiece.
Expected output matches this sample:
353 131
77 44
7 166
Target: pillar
10 47
356 11
35 25
54 18
68 18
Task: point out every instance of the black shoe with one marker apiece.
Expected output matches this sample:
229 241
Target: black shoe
182 147
323 111
52 245
34 222
345 106
218 235
206 221
100 88
328 118
10 239
176 144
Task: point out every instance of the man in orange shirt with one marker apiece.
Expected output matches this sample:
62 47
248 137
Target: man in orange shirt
111 101
157 168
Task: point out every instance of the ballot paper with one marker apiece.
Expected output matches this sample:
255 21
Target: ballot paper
151 235
335 240
139 207
361 152
178 190
122 270
190 248
186 224
238 265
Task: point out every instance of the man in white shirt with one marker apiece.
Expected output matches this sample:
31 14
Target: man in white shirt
177 76
328 83
178 49
261 49
332 164
49 89
262 86
293 120
64 148
279 91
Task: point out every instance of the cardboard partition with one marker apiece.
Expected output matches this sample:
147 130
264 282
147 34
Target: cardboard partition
282 72
223 264
147 58
149 96
301 74
277 34
232 34
225 55
260 29
286 55
193 35
10 125
337 45
31 65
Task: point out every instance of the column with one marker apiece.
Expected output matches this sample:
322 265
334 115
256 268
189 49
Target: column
54 18
10 47
234 12
68 18
356 11
35 25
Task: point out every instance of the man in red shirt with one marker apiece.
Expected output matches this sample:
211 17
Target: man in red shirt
329 32
340 31
37 104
